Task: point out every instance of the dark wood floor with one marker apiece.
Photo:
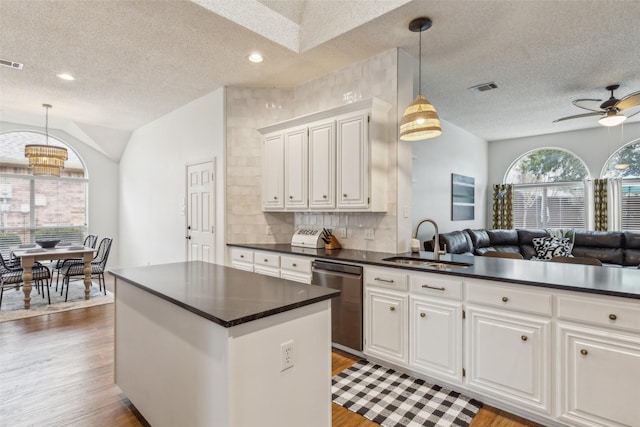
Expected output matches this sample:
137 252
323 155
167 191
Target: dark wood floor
57 370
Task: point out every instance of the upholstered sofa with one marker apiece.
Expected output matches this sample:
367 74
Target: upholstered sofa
612 248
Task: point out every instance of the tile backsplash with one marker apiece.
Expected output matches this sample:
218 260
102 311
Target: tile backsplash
249 109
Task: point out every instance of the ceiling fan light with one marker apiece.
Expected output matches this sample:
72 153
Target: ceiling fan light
420 121
612 118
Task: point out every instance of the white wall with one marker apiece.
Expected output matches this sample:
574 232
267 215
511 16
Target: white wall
152 181
455 151
103 186
594 146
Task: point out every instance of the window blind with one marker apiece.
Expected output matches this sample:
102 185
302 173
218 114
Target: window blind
630 201
552 205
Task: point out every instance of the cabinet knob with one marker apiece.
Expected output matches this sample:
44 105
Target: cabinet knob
295 265
344 196
290 197
505 299
613 317
275 197
422 314
266 260
392 308
324 196
524 338
241 256
584 352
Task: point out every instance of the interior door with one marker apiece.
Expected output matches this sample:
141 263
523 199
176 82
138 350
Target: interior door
201 212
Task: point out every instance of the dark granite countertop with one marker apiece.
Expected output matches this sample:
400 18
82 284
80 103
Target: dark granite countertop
621 282
224 295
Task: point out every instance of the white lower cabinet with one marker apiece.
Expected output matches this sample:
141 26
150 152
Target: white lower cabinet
387 325
436 337
242 259
509 357
295 268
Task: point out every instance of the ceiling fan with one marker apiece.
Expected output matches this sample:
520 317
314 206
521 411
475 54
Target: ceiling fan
609 109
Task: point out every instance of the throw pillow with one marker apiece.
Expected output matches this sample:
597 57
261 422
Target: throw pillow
549 247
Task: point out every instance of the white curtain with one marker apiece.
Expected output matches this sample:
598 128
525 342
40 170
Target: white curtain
614 204
589 205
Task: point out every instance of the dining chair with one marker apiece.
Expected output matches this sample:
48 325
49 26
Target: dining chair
500 254
89 242
577 260
11 276
73 267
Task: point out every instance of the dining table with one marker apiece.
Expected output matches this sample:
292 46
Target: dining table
29 256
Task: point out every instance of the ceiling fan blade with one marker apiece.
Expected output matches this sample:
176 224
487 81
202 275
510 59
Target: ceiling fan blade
631 100
595 113
588 104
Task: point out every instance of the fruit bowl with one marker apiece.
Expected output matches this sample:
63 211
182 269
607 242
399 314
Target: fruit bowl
47 243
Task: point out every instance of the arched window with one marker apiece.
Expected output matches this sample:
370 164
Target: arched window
548 189
624 164
34 207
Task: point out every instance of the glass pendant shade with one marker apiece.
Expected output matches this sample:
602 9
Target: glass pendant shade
420 121
46 160
612 118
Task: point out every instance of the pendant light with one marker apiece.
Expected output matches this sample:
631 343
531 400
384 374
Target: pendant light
46 160
420 120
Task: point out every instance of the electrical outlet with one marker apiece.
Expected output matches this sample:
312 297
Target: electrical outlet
369 234
342 232
268 231
286 355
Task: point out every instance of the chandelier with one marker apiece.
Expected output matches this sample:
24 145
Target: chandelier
420 120
46 160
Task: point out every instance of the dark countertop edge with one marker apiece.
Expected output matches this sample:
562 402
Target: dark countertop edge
214 319
457 273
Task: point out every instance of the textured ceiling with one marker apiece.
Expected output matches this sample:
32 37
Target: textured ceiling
138 60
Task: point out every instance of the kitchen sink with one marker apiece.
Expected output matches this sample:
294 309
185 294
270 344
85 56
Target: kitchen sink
427 262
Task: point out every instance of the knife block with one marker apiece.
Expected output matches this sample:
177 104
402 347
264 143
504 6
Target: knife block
333 243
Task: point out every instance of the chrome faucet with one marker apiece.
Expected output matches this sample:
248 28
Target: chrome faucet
436 240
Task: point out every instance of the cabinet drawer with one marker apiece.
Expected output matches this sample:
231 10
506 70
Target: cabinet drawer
295 264
243 255
604 313
386 278
431 284
509 298
268 259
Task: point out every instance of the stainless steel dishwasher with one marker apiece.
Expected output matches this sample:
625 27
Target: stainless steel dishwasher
346 310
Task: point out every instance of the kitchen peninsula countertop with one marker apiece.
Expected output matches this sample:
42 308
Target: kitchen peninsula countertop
621 282
224 295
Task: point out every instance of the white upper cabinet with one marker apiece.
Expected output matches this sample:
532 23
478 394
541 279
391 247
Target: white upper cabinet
333 160
322 166
295 173
353 161
273 172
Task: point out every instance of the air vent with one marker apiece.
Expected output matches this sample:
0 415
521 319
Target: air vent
483 87
11 64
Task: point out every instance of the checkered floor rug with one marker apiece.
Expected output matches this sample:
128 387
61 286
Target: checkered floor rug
390 398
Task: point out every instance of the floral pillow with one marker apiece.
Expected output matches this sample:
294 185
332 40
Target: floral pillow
549 247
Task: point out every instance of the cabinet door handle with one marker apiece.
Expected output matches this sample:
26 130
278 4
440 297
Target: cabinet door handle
422 314
584 352
392 308
378 279
505 299
437 288
613 317
524 338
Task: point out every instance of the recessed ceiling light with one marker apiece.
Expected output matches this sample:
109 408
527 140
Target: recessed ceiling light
65 76
255 58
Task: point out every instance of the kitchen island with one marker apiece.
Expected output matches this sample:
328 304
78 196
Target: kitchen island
198 344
